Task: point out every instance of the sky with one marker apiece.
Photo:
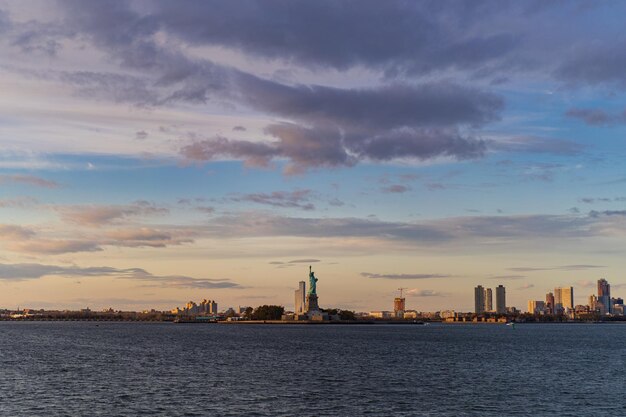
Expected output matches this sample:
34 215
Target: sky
155 152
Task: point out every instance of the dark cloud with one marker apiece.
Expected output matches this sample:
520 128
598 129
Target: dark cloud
239 129
286 199
142 134
402 276
396 189
595 62
304 261
595 213
595 117
331 126
18 272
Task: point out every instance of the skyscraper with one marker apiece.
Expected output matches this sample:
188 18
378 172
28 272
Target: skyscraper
479 299
550 303
488 299
500 299
604 296
300 298
399 305
536 307
563 299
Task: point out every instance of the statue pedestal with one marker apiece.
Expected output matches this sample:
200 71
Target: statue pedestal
313 312
311 303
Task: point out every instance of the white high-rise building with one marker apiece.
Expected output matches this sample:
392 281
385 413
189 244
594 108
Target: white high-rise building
300 298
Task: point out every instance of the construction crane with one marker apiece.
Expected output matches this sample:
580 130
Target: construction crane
400 289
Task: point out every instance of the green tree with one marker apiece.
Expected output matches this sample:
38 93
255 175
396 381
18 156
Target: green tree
268 312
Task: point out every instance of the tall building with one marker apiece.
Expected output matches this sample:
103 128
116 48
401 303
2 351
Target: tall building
479 299
399 304
536 307
593 303
550 303
488 299
563 299
300 298
604 296
500 300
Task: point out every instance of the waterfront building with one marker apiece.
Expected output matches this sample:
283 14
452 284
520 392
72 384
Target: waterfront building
445 314
381 314
593 303
536 307
563 299
604 296
550 303
399 305
300 297
500 300
411 314
488 299
479 299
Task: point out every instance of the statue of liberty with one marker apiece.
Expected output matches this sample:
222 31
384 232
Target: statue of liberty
312 282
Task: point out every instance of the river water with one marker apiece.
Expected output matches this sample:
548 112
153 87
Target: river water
165 369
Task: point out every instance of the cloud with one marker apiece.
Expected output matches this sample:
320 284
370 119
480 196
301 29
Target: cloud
595 62
402 276
508 277
526 287
12 232
27 180
538 145
596 117
142 134
416 292
304 261
556 268
144 237
396 189
299 199
98 215
19 272
19 202
54 246
324 126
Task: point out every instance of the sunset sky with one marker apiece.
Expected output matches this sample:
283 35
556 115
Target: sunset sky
155 152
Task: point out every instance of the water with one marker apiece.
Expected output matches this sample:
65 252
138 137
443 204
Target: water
164 369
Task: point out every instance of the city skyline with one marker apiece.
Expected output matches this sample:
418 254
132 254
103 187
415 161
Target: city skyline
146 159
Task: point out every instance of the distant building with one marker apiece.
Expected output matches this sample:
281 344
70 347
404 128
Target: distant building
536 307
412 314
550 303
604 296
488 299
563 299
300 298
399 305
479 299
593 303
500 300
381 314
